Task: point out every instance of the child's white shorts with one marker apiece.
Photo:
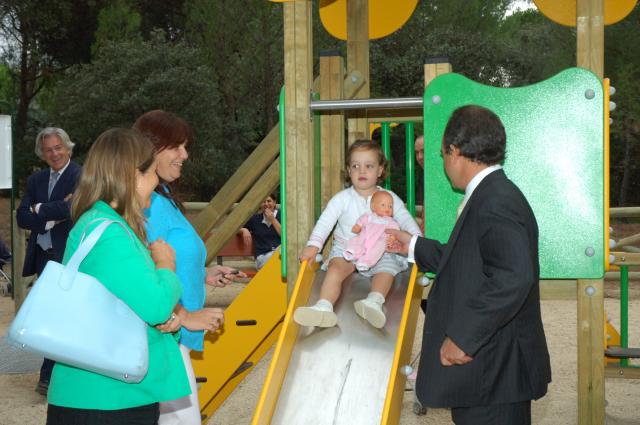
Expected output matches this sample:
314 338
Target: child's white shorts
389 263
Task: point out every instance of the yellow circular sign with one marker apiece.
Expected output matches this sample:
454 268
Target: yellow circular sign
563 12
385 16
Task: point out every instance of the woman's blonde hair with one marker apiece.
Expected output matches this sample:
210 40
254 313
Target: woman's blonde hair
109 174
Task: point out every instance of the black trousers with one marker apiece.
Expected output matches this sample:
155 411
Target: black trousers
497 414
42 257
141 415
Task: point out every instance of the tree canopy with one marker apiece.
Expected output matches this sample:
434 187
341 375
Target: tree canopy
86 66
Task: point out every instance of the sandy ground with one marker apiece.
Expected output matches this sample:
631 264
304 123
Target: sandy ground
20 405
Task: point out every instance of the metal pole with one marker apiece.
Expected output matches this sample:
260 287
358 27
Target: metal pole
317 161
283 188
410 170
624 311
390 103
386 150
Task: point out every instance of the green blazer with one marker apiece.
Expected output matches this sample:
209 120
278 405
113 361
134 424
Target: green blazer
124 266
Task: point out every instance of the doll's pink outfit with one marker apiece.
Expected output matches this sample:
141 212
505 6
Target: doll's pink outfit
367 247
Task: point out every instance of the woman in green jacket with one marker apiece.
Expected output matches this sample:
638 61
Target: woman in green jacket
118 178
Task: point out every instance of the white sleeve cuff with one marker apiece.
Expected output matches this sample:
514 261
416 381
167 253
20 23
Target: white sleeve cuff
314 243
49 225
412 246
36 208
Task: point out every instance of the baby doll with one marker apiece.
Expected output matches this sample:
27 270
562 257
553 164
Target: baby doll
367 247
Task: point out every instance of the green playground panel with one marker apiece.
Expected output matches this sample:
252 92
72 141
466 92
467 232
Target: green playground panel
555 154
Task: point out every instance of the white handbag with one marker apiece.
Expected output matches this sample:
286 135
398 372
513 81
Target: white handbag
70 317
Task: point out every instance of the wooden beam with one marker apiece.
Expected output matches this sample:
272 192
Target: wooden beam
298 81
244 177
19 250
590 295
558 289
613 371
394 115
358 60
434 67
243 211
332 128
590 35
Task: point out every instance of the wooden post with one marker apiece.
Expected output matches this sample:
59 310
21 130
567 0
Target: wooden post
358 60
298 81
332 123
434 67
590 293
19 252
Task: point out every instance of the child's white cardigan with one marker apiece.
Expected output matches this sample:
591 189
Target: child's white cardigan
345 208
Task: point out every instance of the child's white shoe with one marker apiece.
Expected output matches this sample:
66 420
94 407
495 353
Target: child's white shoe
371 311
321 314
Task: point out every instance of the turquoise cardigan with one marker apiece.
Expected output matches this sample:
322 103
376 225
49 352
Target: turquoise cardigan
125 267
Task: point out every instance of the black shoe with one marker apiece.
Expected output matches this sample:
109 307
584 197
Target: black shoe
42 388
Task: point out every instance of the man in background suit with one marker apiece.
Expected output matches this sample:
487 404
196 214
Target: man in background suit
45 211
484 352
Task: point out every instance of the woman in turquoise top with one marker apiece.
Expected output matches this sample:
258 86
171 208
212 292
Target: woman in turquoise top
172 136
118 178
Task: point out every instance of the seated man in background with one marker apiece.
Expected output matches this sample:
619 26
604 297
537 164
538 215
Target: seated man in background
264 228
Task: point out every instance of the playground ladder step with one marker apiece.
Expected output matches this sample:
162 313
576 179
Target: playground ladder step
619 352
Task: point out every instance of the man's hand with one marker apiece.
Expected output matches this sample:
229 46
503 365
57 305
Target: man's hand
246 235
451 354
398 241
268 213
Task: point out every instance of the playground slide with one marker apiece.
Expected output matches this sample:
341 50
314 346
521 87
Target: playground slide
349 374
252 325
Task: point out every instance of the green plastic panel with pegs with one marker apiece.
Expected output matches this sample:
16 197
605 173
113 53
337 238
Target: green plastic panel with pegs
555 154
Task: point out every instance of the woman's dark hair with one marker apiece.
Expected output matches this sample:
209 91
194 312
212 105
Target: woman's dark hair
167 131
478 133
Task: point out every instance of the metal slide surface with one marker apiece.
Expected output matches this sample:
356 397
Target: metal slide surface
340 375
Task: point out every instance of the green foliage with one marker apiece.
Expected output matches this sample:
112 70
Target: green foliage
242 45
622 66
116 22
128 78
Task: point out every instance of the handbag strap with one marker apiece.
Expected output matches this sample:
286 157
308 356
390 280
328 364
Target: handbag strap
85 247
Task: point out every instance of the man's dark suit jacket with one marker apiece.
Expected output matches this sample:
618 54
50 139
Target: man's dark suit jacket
486 298
54 208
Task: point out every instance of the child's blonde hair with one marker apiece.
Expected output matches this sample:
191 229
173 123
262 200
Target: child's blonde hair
368 145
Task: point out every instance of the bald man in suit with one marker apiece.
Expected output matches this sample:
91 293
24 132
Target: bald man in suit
484 352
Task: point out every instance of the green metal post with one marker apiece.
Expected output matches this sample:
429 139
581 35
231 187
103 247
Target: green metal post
317 162
624 311
410 167
386 149
283 187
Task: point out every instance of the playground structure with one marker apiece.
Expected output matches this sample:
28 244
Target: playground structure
250 332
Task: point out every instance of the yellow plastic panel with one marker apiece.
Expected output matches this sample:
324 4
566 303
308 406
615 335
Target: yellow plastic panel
385 16
402 355
563 12
228 349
